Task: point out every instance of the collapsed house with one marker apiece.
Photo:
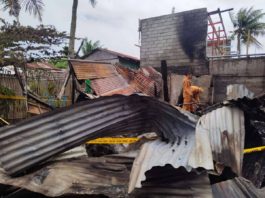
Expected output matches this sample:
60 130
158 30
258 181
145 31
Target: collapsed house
190 156
196 41
178 155
108 79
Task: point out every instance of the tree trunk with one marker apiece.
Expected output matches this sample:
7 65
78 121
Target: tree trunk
73 29
238 44
248 42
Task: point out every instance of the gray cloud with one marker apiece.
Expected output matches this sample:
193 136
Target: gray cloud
115 22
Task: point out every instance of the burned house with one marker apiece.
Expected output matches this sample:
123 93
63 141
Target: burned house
178 154
193 40
106 79
106 55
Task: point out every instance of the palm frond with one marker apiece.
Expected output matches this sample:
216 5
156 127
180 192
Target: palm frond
34 7
233 19
93 3
13 7
89 46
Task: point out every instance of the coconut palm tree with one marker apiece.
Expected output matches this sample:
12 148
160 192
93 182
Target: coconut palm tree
73 26
247 26
89 46
14 7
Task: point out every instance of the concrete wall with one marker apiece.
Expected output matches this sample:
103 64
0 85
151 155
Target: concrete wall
247 71
179 38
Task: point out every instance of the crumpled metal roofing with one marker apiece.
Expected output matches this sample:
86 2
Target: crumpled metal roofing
236 91
35 140
235 188
86 175
158 153
170 182
224 130
254 116
145 80
129 90
104 85
145 85
92 70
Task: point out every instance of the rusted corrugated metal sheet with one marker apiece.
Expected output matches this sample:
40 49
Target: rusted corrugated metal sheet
126 73
235 188
144 84
129 90
104 85
92 70
41 65
35 140
145 80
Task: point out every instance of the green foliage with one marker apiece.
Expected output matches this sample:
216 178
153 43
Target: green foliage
33 86
4 103
89 46
59 63
21 43
247 25
34 7
6 91
51 88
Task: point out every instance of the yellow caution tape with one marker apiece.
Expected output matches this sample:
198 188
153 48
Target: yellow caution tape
256 149
118 140
12 97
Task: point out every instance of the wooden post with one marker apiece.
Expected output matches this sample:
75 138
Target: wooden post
164 77
73 88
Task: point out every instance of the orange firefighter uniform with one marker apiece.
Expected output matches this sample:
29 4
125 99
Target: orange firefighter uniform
191 94
196 91
187 94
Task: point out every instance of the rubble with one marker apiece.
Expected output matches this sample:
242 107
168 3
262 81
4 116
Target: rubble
178 163
179 154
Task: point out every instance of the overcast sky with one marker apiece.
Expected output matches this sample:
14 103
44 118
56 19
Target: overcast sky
115 22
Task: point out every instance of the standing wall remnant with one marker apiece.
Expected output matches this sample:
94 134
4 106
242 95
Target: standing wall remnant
178 38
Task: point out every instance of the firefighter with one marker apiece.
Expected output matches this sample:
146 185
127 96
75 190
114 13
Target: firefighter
196 91
187 94
191 94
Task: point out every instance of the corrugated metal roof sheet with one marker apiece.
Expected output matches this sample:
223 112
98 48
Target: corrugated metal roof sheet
169 182
35 140
253 114
158 153
145 80
104 85
144 84
92 70
235 188
41 65
129 90
86 175
224 129
236 91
